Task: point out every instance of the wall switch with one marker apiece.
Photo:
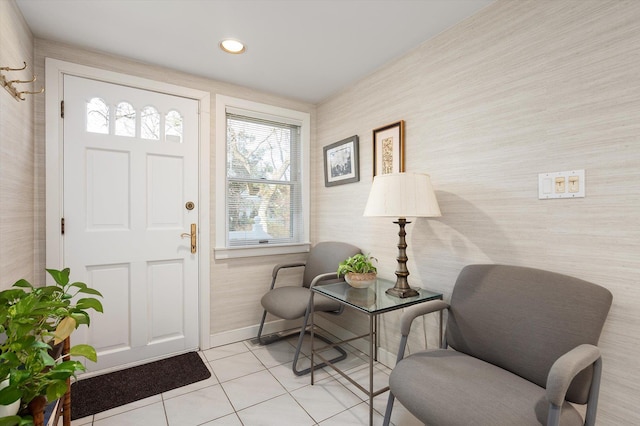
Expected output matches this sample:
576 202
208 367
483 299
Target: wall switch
574 184
569 184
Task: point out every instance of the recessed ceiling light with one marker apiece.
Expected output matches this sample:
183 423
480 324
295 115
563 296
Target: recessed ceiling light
232 46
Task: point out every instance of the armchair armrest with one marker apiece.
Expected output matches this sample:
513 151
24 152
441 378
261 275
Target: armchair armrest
323 277
279 266
566 368
276 269
415 311
412 313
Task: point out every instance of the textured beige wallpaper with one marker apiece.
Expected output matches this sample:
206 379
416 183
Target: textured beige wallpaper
521 88
16 152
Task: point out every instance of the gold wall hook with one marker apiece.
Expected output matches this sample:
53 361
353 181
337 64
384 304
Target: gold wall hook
22 81
30 93
14 69
10 85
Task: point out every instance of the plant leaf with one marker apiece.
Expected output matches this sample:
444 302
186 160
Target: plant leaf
56 389
26 421
86 351
64 329
12 294
23 283
10 421
60 277
89 290
9 394
88 303
78 284
81 318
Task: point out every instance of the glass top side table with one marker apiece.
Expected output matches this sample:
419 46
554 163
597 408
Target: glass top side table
372 301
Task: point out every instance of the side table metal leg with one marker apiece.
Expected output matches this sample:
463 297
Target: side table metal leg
376 329
372 355
440 342
312 335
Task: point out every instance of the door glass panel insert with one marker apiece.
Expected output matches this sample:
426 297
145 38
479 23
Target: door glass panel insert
97 116
150 123
173 127
125 120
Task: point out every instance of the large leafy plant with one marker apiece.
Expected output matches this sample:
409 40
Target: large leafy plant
34 320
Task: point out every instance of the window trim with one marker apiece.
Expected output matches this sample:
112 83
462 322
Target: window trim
227 103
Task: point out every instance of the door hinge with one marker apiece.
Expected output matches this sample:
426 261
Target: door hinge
62 226
61 109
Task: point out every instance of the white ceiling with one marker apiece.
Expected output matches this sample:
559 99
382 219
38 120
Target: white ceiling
301 49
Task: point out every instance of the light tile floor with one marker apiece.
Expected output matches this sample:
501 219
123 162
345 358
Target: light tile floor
253 385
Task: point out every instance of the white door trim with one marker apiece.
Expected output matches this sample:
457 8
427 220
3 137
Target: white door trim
54 71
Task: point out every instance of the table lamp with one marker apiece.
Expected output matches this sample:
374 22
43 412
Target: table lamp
402 195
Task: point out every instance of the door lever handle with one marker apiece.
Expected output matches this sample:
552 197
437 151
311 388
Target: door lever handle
192 235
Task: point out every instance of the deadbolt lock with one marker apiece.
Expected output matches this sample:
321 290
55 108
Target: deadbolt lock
190 205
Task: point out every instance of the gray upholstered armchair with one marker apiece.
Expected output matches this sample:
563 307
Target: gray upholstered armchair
292 302
520 346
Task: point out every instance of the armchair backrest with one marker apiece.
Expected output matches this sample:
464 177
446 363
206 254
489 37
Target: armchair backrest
324 257
523 319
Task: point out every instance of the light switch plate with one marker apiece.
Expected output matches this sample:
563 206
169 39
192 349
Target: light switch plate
569 184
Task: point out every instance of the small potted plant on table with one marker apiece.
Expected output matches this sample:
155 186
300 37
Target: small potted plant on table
358 270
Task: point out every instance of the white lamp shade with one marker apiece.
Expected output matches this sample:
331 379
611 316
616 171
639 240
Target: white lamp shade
402 195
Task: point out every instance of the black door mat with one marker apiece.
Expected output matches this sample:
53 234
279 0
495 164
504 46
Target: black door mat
101 393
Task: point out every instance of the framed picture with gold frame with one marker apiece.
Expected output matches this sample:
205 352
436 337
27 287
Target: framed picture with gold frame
388 149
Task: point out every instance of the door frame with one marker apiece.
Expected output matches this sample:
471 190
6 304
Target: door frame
54 72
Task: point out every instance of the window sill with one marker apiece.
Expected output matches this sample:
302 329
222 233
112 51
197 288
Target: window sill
253 251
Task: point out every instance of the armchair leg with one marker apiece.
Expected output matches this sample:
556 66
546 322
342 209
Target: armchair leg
275 337
270 338
553 418
294 367
260 340
592 405
387 413
343 354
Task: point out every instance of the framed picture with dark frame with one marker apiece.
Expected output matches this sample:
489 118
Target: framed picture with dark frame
341 162
388 149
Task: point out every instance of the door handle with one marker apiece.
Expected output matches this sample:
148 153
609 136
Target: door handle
193 237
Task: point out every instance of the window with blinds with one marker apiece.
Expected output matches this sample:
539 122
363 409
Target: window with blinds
263 174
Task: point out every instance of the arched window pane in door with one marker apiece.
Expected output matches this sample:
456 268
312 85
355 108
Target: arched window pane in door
150 123
173 127
97 116
125 120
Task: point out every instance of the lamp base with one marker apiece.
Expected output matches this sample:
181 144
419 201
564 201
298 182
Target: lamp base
401 292
401 288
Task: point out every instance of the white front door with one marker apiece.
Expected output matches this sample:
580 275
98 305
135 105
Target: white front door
130 193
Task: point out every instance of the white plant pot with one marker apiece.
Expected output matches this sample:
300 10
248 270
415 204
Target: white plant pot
11 409
360 280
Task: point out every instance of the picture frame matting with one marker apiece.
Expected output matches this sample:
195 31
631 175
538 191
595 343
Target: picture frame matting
388 149
341 162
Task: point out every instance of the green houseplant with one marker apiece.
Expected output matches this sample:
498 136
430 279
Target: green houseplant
34 322
359 270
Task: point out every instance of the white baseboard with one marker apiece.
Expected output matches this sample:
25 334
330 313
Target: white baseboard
240 334
219 339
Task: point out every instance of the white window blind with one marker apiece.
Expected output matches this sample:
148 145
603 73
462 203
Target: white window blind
263 174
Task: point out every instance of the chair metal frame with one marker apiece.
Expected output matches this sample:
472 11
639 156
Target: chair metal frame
265 340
